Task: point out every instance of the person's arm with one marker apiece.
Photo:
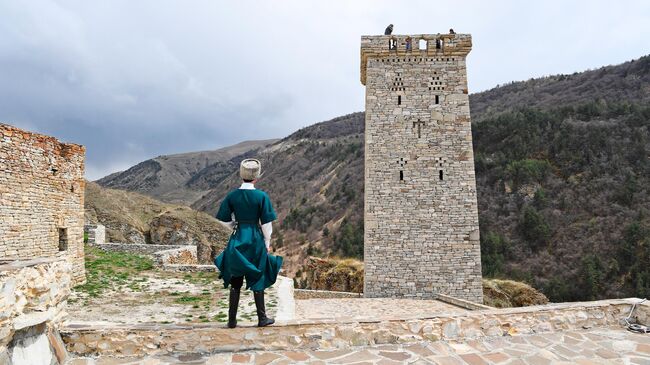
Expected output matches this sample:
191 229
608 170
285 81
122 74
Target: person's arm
225 215
267 229
268 215
230 224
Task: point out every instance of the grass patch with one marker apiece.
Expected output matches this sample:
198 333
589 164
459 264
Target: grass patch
202 278
220 317
187 299
107 270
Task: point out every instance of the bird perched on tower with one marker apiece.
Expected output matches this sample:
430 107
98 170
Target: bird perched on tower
389 30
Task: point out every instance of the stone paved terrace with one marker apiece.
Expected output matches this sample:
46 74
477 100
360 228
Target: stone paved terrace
612 345
153 339
364 308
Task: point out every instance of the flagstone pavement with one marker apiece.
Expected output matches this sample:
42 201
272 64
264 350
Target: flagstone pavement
593 346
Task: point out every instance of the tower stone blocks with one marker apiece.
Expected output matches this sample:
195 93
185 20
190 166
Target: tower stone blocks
41 198
421 215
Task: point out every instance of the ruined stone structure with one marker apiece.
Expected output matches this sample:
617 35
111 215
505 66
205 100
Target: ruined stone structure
95 234
421 214
32 308
41 198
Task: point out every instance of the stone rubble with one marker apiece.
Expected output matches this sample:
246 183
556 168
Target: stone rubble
33 297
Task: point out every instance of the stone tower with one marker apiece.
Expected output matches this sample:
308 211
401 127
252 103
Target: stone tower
421 215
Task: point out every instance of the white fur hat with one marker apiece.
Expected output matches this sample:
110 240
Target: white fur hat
250 169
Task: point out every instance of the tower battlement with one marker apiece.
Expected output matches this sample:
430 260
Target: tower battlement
421 234
421 45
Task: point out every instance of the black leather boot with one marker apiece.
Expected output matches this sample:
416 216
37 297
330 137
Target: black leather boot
262 319
233 303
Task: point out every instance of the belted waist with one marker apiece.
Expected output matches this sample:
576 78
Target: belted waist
248 222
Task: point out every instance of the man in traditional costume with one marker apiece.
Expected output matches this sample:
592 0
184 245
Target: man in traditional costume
249 213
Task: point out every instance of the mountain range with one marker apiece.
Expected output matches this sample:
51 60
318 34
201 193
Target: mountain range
562 166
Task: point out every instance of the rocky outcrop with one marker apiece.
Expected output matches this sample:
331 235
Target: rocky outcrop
133 218
508 293
331 274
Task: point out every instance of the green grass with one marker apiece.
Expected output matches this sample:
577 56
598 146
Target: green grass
188 299
202 278
106 270
221 317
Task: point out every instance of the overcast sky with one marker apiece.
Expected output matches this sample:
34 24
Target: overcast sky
131 80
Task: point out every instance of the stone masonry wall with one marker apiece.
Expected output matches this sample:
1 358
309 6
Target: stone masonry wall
421 214
33 295
41 198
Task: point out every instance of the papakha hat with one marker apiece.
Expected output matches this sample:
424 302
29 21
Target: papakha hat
250 169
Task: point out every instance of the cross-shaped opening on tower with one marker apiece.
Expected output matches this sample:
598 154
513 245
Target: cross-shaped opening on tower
419 124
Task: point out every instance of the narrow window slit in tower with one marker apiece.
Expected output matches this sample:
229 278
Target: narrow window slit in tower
437 99
440 174
399 99
401 175
63 239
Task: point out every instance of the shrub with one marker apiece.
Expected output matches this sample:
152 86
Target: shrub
526 171
533 228
494 250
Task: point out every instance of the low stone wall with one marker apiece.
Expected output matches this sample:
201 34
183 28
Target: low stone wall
33 296
147 339
189 268
140 249
163 255
324 294
184 255
461 302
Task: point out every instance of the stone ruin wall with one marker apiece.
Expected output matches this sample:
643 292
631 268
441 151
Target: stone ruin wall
421 211
95 234
41 198
33 296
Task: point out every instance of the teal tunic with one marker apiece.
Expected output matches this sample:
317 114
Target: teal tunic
246 254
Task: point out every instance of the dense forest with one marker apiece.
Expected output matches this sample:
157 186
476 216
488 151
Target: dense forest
564 198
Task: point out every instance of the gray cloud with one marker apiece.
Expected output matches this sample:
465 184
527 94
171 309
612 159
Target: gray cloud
132 80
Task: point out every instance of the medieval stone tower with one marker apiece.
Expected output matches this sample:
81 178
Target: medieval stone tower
421 214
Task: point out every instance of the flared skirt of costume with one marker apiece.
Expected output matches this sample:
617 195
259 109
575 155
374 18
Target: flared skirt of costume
246 255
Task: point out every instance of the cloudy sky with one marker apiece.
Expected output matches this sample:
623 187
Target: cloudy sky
136 79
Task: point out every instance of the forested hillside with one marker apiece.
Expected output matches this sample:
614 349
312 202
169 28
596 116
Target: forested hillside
563 181
315 178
